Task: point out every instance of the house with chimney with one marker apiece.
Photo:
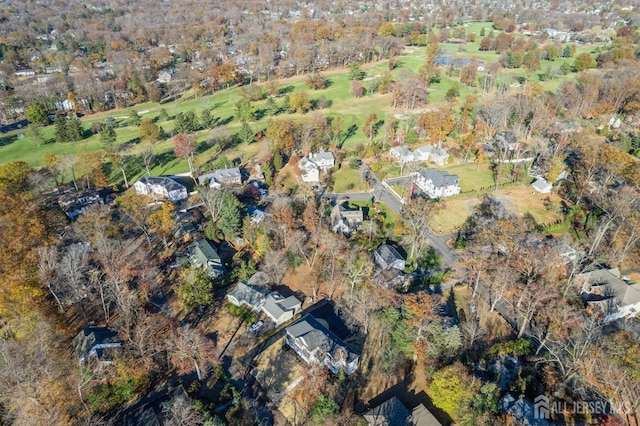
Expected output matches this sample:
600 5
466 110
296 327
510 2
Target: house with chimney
437 183
163 186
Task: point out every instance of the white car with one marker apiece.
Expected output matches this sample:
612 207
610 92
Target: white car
255 326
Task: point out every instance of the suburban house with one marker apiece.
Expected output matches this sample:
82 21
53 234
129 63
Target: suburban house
541 185
506 140
324 160
316 344
220 177
97 345
402 154
73 203
423 153
393 412
310 166
249 295
437 183
25 72
202 255
160 185
608 291
165 76
439 156
281 309
387 257
308 170
256 214
523 410
346 220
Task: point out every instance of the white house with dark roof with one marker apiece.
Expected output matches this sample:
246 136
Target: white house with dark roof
437 183
279 308
160 185
217 178
316 344
606 290
202 255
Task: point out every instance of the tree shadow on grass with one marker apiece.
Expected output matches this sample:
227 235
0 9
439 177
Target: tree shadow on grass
7 140
164 158
347 134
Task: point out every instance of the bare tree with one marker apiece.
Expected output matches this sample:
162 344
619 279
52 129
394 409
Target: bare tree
47 270
179 411
213 200
275 265
147 157
189 350
73 268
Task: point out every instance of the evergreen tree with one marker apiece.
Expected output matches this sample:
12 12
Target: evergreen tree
230 219
75 132
207 119
246 134
61 129
107 137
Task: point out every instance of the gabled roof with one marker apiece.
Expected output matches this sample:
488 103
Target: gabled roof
322 155
401 151
392 412
522 409
439 178
252 295
421 416
624 294
168 183
541 185
388 253
316 335
91 338
220 175
276 305
306 164
427 148
202 252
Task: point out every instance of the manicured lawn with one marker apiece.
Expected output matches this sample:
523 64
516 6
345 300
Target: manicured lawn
347 179
520 199
341 103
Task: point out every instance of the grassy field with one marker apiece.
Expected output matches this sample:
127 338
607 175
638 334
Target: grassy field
347 179
341 103
520 199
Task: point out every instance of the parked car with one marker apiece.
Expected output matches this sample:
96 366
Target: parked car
255 326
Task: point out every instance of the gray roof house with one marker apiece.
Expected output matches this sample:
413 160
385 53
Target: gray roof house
220 177
402 154
439 156
203 255
437 183
607 290
392 412
249 295
387 257
323 159
346 220
96 345
542 186
316 344
160 185
421 416
423 153
281 309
